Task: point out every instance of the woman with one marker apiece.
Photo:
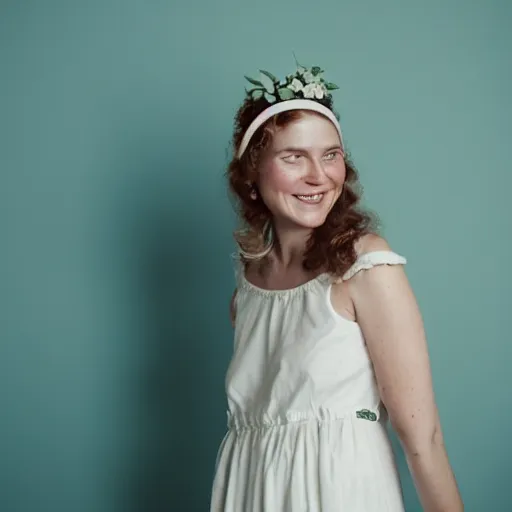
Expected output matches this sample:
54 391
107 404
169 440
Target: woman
329 342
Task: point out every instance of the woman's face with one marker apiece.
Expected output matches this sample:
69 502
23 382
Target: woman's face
302 172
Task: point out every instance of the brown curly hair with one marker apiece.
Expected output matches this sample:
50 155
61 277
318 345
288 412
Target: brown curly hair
331 245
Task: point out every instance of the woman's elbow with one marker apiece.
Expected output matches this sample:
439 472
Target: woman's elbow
418 436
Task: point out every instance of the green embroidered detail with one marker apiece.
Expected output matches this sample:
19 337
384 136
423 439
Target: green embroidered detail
365 414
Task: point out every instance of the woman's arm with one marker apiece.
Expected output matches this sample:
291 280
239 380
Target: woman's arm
389 317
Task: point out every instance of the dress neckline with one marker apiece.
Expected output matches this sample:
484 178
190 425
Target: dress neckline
283 291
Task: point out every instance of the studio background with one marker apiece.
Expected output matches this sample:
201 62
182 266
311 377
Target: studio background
115 270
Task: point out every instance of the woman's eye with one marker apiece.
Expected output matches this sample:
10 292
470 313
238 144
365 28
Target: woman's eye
291 158
331 156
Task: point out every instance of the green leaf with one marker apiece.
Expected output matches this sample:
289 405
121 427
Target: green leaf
254 82
257 94
285 93
270 97
270 75
268 84
330 86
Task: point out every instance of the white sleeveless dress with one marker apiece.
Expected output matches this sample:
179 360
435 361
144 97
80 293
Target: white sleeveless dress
306 427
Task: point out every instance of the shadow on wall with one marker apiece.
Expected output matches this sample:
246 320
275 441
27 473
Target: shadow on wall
174 393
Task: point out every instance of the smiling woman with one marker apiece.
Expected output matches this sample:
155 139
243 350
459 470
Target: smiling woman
329 341
286 160
301 175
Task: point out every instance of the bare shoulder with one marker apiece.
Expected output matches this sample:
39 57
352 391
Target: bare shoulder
367 244
371 242
342 292
381 276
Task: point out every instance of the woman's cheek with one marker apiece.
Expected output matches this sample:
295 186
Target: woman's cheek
338 174
280 179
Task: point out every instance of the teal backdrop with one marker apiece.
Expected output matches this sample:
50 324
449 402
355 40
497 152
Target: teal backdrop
115 119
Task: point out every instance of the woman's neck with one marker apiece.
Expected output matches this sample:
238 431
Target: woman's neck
289 247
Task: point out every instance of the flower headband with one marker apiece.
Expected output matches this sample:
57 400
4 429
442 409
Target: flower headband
302 90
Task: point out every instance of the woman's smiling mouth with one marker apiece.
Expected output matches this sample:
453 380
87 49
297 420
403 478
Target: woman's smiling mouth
310 198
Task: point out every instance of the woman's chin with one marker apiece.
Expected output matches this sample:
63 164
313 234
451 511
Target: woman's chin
309 222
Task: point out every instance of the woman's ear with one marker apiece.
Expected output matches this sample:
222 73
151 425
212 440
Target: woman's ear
253 192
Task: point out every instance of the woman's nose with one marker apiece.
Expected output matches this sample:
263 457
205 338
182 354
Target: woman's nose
315 173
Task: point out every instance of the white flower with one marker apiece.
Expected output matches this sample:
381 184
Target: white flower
309 77
314 90
320 91
309 91
296 85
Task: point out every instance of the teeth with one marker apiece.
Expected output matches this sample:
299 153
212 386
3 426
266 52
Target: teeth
313 198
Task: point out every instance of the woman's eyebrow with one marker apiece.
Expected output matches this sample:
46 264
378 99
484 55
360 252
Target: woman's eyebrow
332 148
295 149
291 149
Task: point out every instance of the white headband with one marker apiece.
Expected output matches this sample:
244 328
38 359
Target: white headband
283 106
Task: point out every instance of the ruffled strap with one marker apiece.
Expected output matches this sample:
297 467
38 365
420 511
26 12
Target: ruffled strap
372 259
